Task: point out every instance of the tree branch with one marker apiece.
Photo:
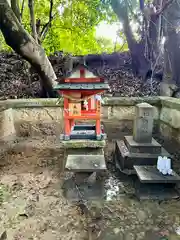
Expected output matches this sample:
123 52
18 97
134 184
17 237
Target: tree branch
15 8
165 5
22 43
32 17
121 10
48 24
46 27
22 8
50 12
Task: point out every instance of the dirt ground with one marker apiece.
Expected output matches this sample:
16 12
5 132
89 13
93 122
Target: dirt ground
32 205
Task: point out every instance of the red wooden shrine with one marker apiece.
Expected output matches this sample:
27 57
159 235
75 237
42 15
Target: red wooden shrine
82 101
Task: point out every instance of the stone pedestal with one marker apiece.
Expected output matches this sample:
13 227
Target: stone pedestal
141 148
138 154
85 161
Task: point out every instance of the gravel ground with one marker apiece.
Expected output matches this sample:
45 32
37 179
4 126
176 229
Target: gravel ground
32 205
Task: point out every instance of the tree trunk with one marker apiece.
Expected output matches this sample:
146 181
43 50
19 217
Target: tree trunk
140 65
171 80
22 43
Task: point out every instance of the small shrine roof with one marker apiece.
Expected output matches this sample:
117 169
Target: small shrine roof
75 70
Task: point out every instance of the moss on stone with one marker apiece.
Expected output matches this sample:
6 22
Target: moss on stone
84 144
131 101
170 102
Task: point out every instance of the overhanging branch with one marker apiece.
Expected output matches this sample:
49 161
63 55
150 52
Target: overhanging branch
32 17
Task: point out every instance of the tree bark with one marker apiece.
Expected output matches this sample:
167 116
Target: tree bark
22 43
140 65
171 80
15 8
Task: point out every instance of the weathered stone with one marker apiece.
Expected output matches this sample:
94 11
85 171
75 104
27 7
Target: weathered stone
84 151
7 128
38 114
85 163
122 112
127 160
143 123
74 192
169 133
131 101
134 147
46 128
84 144
158 191
23 129
170 117
150 174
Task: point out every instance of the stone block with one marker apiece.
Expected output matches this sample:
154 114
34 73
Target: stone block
144 110
84 143
165 115
143 123
150 174
85 163
127 160
158 191
170 117
122 112
7 128
38 114
135 147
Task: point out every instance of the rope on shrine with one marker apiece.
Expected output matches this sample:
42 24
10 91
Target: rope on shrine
75 99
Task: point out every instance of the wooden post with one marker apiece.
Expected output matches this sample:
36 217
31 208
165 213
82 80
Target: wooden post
98 122
66 120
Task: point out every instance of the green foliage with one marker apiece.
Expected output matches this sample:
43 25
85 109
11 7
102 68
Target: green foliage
73 30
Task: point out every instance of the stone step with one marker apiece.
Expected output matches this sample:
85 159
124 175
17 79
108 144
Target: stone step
85 163
158 191
127 160
150 174
84 143
134 147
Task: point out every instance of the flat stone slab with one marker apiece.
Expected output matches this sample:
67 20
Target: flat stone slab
150 174
127 160
85 163
84 143
135 147
161 192
84 191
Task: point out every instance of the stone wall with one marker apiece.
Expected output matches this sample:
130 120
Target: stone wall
169 123
34 117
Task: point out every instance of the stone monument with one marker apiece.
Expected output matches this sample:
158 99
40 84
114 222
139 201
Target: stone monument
140 148
138 155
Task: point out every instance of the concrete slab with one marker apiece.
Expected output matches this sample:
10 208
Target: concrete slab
84 143
135 147
85 163
150 174
161 192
